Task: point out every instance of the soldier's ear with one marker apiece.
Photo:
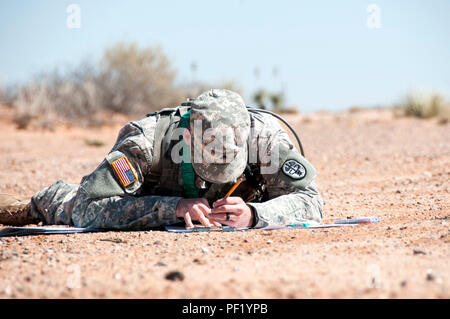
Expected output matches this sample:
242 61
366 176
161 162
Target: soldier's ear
187 136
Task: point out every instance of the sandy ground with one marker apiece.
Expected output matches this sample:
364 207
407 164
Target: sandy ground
370 164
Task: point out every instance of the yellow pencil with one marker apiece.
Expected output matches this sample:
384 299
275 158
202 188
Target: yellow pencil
240 180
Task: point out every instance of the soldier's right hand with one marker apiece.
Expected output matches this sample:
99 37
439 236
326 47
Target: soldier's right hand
195 209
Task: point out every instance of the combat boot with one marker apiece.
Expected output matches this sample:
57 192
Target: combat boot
16 211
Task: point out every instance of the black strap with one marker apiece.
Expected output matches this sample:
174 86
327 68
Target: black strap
252 109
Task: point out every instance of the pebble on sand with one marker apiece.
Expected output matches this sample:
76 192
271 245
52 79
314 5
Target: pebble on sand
175 276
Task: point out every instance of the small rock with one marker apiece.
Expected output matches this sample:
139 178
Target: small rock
199 261
161 264
398 191
418 252
117 276
430 275
174 276
157 242
403 283
269 241
205 250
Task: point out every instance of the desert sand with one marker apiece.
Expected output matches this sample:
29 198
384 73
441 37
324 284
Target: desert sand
370 163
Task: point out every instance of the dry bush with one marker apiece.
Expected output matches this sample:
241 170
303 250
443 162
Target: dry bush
7 95
2 93
423 105
444 114
355 109
128 80
54 98
136 81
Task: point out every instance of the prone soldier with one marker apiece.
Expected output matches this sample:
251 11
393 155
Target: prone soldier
177 165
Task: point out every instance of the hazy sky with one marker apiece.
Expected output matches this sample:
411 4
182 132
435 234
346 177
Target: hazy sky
329 54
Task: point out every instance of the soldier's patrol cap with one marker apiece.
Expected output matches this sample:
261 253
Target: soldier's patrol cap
220 125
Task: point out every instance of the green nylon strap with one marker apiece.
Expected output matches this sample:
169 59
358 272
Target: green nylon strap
187 171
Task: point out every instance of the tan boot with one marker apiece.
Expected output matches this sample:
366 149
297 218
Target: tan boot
16 210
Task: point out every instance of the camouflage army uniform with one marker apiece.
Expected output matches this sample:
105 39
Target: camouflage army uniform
103 200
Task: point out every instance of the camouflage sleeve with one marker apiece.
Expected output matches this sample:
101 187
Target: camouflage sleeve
288 205
292 193
109 196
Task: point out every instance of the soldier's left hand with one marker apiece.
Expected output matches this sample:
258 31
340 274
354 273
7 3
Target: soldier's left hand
238 212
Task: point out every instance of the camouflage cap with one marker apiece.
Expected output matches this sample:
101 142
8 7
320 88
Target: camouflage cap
220 125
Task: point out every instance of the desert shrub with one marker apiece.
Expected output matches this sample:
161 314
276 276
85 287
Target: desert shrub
128 80
73 97
136 81
355 109
264 98
8 94
277 100
423 105
444 114
260 97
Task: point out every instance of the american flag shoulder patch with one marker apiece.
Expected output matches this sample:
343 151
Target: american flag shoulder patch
124 170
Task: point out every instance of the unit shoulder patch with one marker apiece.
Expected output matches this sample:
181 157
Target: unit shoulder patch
294 169
124 171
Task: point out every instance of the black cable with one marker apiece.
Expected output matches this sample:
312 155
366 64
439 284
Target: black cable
252 109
